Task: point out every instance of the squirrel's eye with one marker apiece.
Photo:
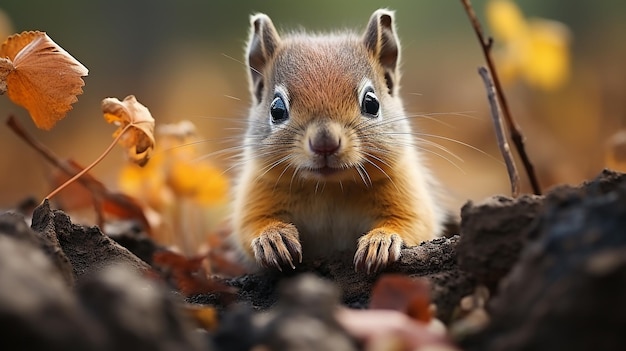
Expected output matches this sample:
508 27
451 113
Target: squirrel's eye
278 110
370 106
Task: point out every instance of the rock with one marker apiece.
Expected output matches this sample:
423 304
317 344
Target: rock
131 236
38 310
303 319
112 308
493 234
15 226
136 313
87 248
567 291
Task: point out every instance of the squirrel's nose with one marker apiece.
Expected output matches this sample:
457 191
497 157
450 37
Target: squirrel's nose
324 144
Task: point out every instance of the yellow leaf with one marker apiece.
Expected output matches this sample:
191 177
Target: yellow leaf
188 174
135 122
44 78
147 183
200 181
505 20
548 65
535 50
205 316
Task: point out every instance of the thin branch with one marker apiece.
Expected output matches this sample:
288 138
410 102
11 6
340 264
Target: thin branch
103 199
514 130
68 168
499 129
92 165
39 147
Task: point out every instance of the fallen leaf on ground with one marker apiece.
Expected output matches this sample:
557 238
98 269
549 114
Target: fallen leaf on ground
190 275
204 316
402 293
40 76
136 126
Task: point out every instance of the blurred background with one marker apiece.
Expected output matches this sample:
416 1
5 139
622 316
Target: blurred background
183 60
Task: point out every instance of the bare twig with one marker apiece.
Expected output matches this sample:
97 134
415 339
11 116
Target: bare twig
514 130
499 129
88 168
39 147
103 199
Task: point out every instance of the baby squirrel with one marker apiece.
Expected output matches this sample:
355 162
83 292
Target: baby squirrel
329 161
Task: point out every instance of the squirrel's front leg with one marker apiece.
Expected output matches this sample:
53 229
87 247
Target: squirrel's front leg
276 245
377 248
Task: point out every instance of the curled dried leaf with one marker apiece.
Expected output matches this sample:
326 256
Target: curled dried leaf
42 77
136 126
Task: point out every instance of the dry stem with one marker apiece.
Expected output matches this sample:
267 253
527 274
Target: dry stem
499 129
52 158
514 130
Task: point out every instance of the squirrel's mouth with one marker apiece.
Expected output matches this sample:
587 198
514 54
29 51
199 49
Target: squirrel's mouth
325 171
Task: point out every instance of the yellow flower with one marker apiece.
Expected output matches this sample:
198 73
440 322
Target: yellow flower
536 50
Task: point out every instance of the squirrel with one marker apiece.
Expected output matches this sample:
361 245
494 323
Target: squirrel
328 161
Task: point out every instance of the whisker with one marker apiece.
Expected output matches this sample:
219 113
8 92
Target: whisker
443 157
363 173
232 97
289 164
383 172
423 141
461 143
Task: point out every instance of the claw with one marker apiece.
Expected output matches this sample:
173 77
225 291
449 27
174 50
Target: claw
277 245
376 250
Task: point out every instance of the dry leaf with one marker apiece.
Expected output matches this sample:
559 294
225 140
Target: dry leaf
139 138
41 77
190 275
404 294
536 50
205 316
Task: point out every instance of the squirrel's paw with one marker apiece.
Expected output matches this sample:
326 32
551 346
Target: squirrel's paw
376 249
277 246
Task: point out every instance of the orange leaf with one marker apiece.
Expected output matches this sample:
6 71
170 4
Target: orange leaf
404 294
205 316
44 78
139 139
191 275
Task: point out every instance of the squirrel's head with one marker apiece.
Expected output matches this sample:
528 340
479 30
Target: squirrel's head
325 107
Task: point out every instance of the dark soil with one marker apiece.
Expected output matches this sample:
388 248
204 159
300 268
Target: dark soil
555 267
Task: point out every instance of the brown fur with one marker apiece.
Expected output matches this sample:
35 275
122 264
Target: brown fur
378 195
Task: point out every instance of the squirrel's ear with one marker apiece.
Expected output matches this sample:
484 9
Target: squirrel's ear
382 42
262 44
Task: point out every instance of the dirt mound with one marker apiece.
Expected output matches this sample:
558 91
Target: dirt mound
555 267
